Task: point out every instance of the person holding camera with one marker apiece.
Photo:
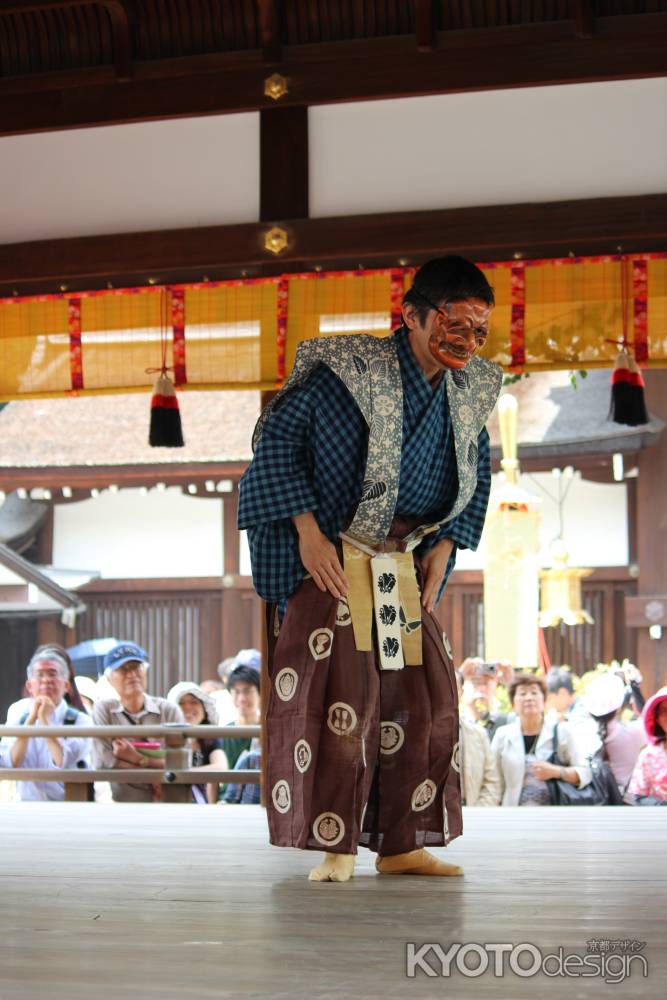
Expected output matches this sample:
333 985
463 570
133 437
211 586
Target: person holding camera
479 685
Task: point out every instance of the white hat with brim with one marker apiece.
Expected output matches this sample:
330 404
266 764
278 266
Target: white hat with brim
182 688
604 695
87 688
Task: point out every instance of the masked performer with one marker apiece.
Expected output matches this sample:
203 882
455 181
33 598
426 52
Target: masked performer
371 467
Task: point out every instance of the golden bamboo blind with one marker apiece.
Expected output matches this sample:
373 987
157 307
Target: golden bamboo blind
550 314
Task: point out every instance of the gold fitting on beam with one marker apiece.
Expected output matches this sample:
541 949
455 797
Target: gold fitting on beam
275 86
275 240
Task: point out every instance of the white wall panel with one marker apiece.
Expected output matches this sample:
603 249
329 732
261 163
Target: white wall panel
594 516
487 148
128 534
130 178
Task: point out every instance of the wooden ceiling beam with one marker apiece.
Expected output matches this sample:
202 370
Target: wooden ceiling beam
623 47
486 233
82 478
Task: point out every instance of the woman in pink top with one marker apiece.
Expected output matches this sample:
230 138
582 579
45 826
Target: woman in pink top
649 780
621 742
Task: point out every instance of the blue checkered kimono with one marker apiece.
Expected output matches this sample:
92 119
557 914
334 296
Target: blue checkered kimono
312 456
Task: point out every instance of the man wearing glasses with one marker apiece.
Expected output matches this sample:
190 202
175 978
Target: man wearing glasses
126 669
47 686
371 467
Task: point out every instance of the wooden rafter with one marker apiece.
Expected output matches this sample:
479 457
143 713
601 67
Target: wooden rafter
584 18
118 16
498 232
425 25
528 55
269 30
81 479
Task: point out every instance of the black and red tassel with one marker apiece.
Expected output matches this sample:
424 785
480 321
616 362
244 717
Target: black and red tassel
166 430
628 405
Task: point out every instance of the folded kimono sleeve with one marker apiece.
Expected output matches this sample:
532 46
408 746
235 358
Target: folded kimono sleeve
466 528
278 481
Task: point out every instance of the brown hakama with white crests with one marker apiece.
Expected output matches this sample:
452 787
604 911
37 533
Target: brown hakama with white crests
357 755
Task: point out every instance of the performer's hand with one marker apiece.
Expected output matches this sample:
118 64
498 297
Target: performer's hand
434 564
319 557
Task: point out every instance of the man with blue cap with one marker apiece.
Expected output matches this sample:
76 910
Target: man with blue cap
126 669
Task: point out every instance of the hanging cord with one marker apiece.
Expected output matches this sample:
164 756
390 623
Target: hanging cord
164 325
559 500
624 343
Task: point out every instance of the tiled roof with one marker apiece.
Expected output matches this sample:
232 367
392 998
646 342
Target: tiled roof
113 430
556 418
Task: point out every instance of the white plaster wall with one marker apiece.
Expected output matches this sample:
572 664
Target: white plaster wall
130 178
448 150
595 518
493 147
244 555
167 534
128 534
595 522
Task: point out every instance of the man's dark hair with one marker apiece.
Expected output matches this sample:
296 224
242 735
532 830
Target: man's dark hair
447 279
558 678
243 675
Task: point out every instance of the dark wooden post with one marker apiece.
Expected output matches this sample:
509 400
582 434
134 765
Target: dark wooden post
652 533
283 195
176 758
78 791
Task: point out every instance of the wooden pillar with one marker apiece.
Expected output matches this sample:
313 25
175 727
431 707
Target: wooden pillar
283 151
609 650
78 791
176 758
631 499
283 195
651 533
45 539
51 629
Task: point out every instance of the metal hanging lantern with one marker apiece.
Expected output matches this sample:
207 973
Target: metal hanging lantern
561 591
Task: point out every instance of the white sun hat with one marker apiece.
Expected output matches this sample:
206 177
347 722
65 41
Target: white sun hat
604 695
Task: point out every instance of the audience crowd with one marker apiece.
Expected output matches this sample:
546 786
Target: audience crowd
525 738
54 696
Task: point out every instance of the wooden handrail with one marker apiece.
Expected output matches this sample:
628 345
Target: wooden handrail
170 730
173 773
82 775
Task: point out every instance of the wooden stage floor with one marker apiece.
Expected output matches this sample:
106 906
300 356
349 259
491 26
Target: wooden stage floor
154 902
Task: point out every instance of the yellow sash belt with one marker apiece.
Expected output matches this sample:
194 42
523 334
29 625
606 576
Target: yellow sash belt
384 586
